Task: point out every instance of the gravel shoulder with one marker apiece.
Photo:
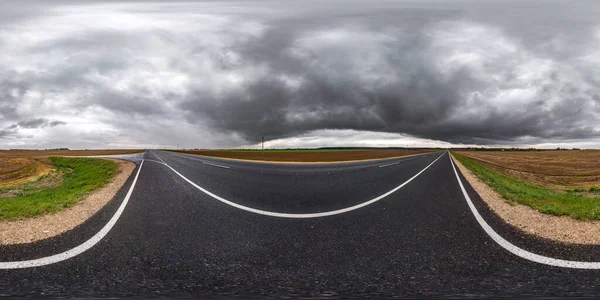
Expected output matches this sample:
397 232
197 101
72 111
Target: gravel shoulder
561 229
46 226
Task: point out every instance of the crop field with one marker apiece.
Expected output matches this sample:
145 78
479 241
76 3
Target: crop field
577 170
307 155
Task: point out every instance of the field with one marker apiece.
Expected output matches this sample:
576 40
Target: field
19 170
552 182
70 181
307 155
576 169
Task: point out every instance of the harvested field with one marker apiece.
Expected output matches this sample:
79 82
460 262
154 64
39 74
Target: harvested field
305 155
47 153
577 170
19 170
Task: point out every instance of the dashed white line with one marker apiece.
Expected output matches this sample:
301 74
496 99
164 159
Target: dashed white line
387 165
186 156
302 216
516 250
215 165
81 248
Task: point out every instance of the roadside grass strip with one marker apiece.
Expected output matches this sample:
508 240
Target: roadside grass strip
542 199
80 177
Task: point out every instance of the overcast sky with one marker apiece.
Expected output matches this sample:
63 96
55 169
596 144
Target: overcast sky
208 74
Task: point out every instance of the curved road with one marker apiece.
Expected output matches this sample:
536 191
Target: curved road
197 226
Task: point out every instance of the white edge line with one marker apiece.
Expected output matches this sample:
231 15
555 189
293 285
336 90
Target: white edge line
220 166
387 165
308 215
516 250
81 248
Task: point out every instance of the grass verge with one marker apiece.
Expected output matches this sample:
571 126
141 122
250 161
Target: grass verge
80 176
542 199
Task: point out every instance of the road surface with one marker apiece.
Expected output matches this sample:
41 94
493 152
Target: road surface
185 225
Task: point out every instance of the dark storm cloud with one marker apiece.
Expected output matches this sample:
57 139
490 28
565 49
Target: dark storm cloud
420 100
474 72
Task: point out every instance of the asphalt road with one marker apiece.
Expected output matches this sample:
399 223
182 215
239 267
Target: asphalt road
308 230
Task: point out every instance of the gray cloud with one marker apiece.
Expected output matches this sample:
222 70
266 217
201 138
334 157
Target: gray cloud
419 99
470 72
37 123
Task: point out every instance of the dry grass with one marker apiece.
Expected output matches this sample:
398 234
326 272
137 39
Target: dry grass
577 169
20 170
305 155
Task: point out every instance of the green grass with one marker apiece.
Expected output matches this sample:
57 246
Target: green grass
80 176
540 198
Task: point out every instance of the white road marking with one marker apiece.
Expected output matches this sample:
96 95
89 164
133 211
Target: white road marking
79 249
220 166
155 161
186 156
201 160
387 165
403 158
516 250
158 157
302 216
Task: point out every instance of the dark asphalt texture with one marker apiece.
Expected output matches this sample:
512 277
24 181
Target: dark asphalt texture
173 240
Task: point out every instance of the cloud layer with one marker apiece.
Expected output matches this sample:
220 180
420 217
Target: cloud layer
206 74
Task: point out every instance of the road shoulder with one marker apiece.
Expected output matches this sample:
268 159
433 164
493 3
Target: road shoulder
46 226
561 229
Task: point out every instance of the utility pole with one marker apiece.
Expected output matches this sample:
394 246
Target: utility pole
263 143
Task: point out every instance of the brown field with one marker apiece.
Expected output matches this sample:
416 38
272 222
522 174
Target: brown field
554 169
306 155
18 170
